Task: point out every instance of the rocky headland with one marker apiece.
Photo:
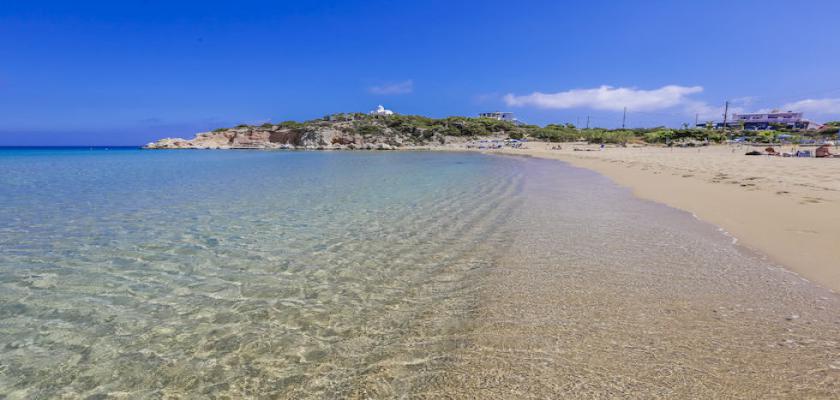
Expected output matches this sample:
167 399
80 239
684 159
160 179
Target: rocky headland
348 132
377 131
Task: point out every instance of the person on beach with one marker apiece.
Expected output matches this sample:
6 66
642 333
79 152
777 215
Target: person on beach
823 152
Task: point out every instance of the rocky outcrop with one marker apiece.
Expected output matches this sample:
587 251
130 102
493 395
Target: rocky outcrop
324 136
350 131
222 139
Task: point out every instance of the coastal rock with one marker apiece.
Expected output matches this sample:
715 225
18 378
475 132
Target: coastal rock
318 135
171 143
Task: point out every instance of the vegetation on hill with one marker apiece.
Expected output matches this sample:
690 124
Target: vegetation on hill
422 129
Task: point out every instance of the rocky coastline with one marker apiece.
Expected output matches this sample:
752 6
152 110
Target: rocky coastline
349 133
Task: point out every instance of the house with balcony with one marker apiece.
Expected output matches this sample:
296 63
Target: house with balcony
768 121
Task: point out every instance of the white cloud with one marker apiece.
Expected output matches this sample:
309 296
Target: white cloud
706 112
403 87
814 106
610 98
676 98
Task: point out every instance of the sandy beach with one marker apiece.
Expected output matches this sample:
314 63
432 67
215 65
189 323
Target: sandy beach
785 208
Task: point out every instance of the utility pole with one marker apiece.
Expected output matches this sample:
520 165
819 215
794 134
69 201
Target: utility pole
587 122
696 119
725 114
624 118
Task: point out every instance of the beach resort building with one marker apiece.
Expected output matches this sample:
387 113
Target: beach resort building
381 110
768 121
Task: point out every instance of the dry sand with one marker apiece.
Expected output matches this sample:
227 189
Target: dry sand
786 208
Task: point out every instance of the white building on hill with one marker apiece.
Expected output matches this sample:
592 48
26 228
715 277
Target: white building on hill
380 110
501 116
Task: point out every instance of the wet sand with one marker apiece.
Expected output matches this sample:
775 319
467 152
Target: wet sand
786 208
625 298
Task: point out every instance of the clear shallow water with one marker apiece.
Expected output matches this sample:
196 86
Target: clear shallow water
603 295
140 274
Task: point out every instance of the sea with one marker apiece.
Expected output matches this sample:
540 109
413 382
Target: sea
138 274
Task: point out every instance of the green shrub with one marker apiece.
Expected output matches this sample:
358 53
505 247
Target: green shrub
290 124
369 129
663 136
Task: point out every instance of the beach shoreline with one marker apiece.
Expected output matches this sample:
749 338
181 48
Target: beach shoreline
783 208
598 292
428 273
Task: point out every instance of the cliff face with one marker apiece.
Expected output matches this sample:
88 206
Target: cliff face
344 131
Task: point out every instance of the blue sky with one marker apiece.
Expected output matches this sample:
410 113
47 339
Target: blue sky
128 72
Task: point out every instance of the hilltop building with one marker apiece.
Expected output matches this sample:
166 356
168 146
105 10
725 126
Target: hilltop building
499 115
768 121
380 110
